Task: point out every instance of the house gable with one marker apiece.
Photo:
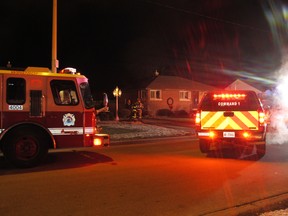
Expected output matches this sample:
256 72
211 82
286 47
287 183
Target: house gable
177 83
241 85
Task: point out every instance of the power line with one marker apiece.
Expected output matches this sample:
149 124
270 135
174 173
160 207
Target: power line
159 4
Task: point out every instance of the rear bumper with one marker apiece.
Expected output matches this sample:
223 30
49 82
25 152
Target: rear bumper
251 137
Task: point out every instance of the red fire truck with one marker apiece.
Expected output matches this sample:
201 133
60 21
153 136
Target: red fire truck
41 110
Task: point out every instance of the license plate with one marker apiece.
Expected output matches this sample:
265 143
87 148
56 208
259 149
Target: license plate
229 134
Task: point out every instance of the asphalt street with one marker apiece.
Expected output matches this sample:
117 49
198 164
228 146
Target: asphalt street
277 205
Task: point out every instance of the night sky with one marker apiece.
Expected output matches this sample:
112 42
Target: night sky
123 42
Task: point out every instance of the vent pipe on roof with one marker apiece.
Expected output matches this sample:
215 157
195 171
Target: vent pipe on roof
9 65
156 73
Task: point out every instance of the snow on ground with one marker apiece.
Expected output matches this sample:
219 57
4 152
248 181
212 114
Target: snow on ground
134 130
282 212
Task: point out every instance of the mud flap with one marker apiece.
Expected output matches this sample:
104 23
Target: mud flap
248 151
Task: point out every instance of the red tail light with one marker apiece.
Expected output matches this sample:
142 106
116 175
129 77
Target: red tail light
98 141
197 118
212 134
262 118
246 135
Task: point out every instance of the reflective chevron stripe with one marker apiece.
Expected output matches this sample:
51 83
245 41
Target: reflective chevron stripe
241 120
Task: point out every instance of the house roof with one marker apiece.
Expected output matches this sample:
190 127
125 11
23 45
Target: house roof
242 85
175 82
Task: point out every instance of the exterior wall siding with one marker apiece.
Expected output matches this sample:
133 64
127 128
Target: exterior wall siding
170 87
154 105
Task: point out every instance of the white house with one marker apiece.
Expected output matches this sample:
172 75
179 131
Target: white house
241 85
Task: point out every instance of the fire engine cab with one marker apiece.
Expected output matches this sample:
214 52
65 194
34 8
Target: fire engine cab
41 110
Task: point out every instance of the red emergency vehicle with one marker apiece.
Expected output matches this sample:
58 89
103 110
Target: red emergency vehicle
41 110
233 119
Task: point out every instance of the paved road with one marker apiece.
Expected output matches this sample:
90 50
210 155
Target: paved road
164 177
158 177
273 206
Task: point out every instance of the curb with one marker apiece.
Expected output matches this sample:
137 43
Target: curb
146 140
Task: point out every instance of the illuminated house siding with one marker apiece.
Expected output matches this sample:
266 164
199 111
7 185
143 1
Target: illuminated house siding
242 85
173 93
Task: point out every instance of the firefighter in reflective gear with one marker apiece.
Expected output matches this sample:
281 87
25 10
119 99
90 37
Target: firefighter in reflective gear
128 104
134 112
139 108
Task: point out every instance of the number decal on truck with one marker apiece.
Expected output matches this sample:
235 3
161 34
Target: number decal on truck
15 107
229 134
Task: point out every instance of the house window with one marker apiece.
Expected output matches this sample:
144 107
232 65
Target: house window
143 94
16 89
155 95
185 95
64 92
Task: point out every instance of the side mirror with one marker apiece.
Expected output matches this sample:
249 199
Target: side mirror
105 100
105 104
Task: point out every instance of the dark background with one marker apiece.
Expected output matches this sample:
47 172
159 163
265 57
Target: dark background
123 42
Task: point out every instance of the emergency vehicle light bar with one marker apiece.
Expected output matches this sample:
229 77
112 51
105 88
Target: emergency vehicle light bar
229 96
68 70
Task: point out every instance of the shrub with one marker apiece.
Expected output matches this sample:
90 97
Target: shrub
106 116
124 113
181 114
164 112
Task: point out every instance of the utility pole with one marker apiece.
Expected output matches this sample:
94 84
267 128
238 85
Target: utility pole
54 64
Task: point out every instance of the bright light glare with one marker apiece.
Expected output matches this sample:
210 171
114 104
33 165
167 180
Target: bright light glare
226 96
279 111
97 141
198 118
211 134
277 16
262 118
246 134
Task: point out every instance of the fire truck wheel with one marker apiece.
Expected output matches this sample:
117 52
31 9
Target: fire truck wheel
261 150
204 146
25 146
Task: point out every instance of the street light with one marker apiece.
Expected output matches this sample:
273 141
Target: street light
117 93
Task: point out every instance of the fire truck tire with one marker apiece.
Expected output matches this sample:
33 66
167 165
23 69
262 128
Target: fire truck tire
204 146
260 150
25 146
